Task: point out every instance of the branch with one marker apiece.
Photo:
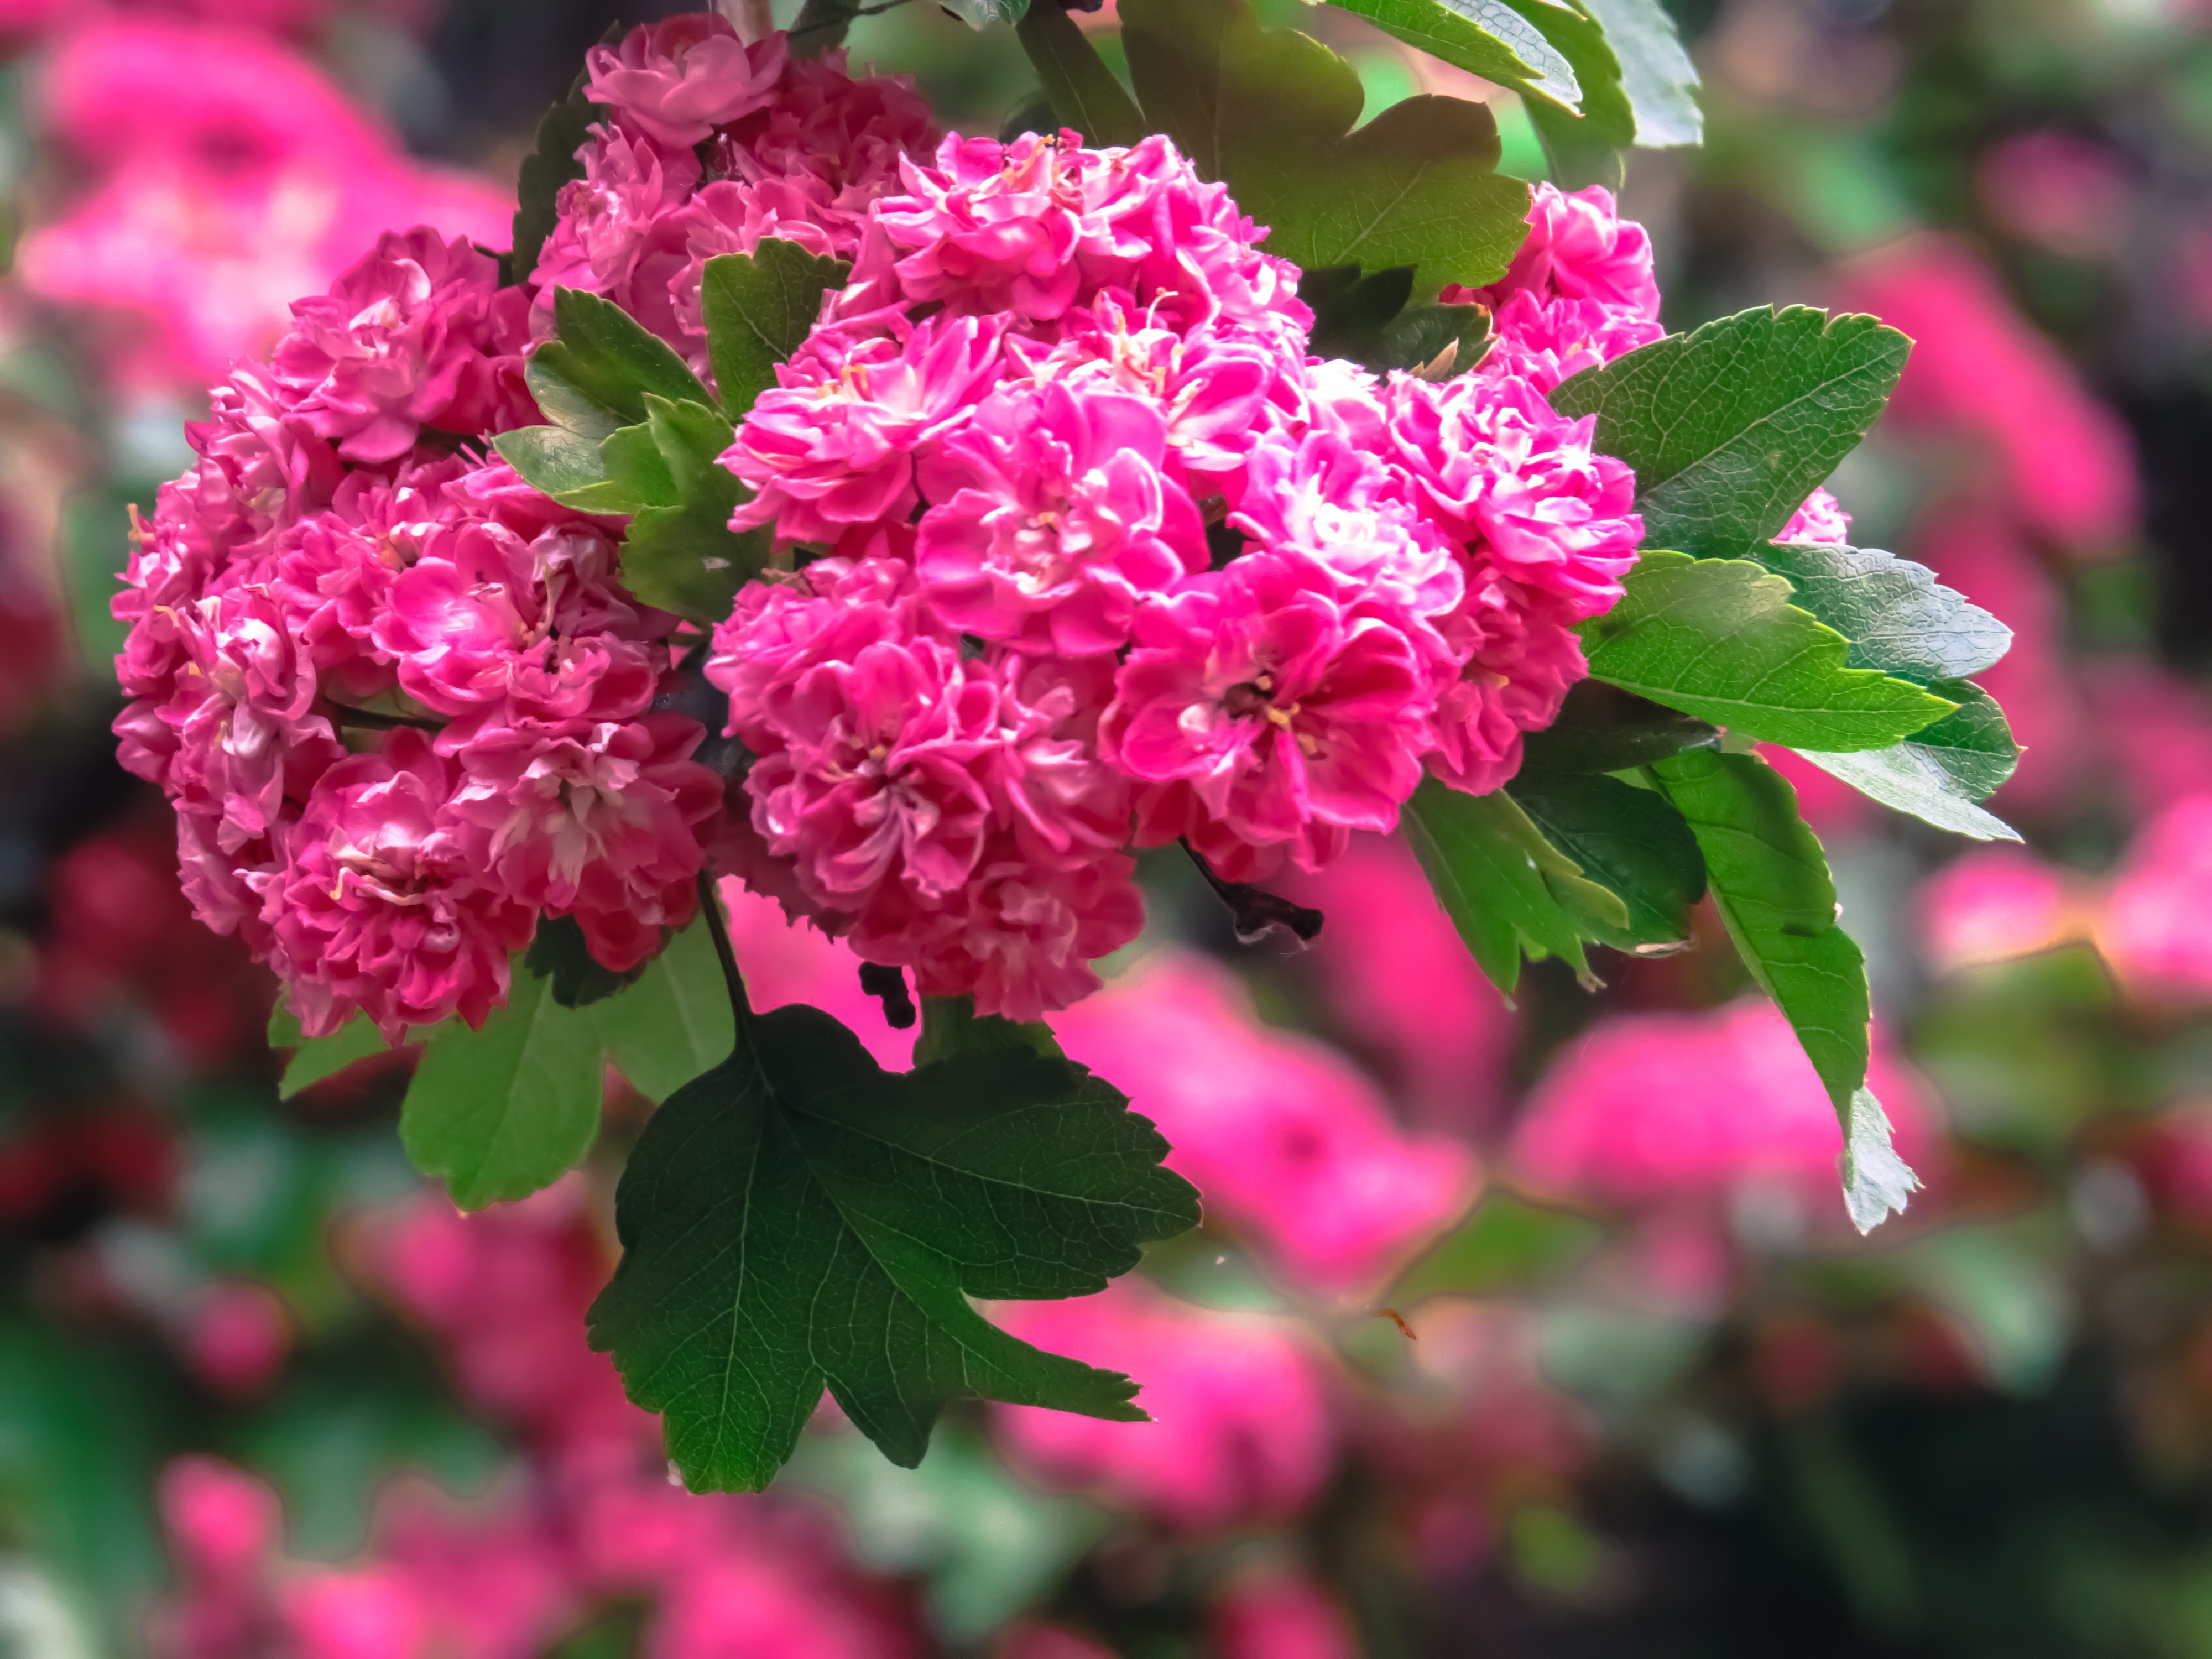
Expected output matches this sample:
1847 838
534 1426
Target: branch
1255 910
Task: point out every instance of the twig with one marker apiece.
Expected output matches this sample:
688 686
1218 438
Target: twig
711 903
1255 910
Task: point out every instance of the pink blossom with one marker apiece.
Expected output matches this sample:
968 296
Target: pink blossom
2062 191
1545 342
1272 1614
833 445
2158 728
418 334
1501 470
679 79
1579 247
2151 931
237 1336
1993 903
376 905
1240 1424
1513 655
1288 1143
1273 719
595 821
1820 520
1660 1109
1053 520
609 220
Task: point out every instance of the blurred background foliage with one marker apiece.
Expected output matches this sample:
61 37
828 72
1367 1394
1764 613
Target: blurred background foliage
261 1393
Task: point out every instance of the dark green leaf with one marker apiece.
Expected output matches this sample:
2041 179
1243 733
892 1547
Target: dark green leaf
601 363
688 560
1730 428
1589 149
799 1216
1719 639
950 1027
1500 881
1770 884
506 1110
1443 340
1484 37
821 25
1083 91
1507 1244
1974 745
1601 728
1898 618
1631 842
1351 306
1266 110
315 1059
674 1024
552 163
559 954
759 308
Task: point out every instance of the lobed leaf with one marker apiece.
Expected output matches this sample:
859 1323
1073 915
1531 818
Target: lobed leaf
1731 427
674 1024
759 308
1082 91
799 1217
1941 772
552 162
1267 112
504 1111
315 1059
1601 728
1719 639
1657 76
1630 840
1486 38
601 363
1897 617
1583 147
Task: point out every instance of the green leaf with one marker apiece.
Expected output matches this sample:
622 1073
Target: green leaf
821 25
1601 728
1911 778
800 1216
688 560
1974 745
552 459
674 1024
601 363
1266 112
551 163
1719 639
315 1059
504 1111
1083 91
1584 148
1501 881
759 308
1631 842
1507 1244
1730 428
1421 338
1876 1180
982 13
559 954
1483 37
1898 618
1655 73
950 1027
1770 884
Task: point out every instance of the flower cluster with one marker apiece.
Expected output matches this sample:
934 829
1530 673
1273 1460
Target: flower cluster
1091 540
400 700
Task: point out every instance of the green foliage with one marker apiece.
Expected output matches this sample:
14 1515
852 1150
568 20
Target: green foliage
1506 888
1486 38
559 955
759 307
1914 777
603 361
1584 148
1728 428
1364 316
1719 639
1267 112
551 163
1507 1244
982 13
800 1216
1770 882
1082 91
674 1024
1630 840
315 1059
1897 617
950 1027
503 1111
1657 76
1601 728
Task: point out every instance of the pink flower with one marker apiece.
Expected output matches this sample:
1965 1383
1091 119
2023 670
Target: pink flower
1545 342
1514 656
679 79
833 446
1053 520
1501 470
376 905
1271 1614
2068 194
1240 1424
1993 903
1820 520
418 334
1289 1144
2152 931
1578 247
609 219
1276 719
596 821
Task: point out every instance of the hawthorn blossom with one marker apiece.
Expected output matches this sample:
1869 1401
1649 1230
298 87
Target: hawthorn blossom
1820 520
679 79
1578 247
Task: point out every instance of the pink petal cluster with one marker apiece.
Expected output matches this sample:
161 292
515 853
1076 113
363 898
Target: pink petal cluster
1291 1144
792 147
219 175
333 565
592 1519
2151 930
1820 520
1240 1425
1061 429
